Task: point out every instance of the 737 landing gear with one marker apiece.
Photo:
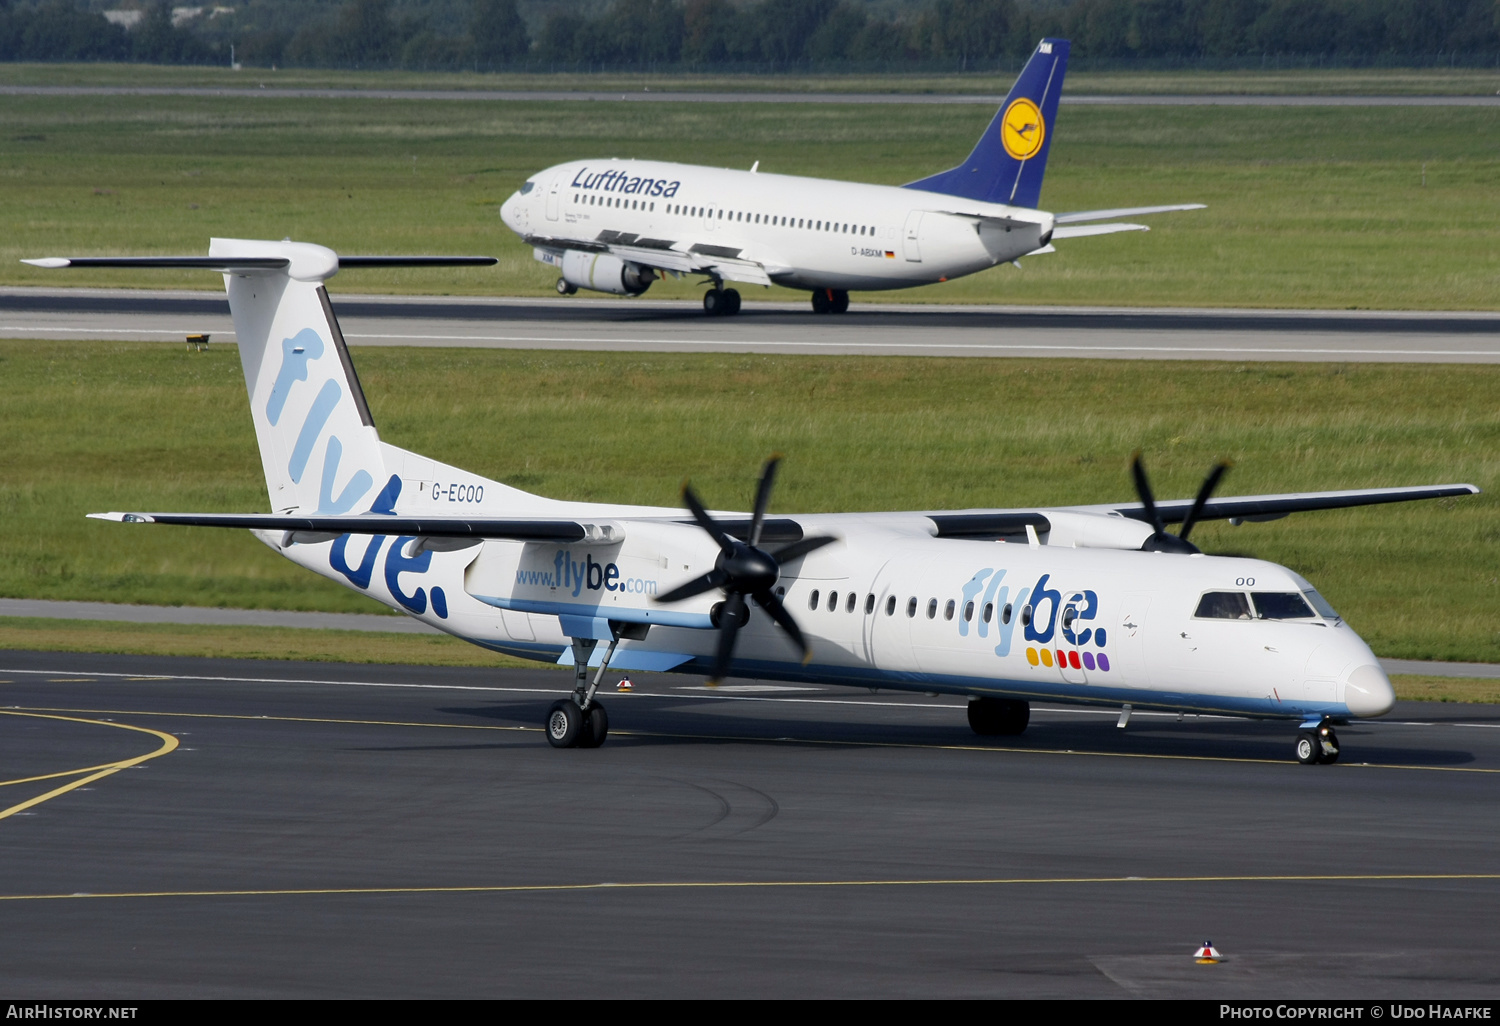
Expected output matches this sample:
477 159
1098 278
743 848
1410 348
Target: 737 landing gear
998 717
1320 744
565 287
830 301
721 302
579 721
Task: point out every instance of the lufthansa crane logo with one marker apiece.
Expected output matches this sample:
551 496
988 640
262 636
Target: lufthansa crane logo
1022 129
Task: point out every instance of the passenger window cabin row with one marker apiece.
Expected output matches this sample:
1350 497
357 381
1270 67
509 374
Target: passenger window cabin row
987 614
683 210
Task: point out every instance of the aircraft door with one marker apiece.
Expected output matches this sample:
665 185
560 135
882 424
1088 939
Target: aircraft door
910 246
554 197
880 588
1127 645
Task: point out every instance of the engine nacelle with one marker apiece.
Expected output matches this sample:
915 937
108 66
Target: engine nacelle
1095 530
604 273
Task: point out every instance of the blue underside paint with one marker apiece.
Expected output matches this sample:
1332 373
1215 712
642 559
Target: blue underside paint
630 659
1057 692
664 617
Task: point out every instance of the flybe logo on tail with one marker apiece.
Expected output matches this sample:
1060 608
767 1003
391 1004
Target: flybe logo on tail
624 182
297 353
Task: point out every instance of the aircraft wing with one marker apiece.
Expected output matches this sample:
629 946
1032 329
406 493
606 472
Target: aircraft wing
1079 216
679 257
1274 507
1010 523
371 523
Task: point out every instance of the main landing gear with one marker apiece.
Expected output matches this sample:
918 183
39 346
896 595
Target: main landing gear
999 717
721 302
565 287
579 721
830 301
1320 744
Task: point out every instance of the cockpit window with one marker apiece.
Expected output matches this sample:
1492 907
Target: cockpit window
1224 605
527 188
1282 605
1320 603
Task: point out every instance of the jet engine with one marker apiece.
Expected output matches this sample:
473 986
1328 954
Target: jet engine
604 273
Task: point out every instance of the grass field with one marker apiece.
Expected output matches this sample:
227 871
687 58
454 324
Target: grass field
1267 81
94 426
1308 207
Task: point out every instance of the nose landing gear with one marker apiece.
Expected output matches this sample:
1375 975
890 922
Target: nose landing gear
1319 744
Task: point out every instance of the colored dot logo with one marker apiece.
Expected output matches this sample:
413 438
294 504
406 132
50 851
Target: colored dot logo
1064 658
1022 129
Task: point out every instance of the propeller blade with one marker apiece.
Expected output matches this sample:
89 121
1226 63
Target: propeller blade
1209 484
705 521
772 605
796 549
731 615
697 586
763 497
1143 489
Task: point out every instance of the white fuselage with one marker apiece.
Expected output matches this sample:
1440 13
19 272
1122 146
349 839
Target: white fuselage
887 606
805 232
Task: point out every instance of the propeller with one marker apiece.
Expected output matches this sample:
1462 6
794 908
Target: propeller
1161 540
744 570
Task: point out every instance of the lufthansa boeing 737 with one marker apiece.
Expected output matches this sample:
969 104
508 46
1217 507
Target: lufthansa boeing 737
618 225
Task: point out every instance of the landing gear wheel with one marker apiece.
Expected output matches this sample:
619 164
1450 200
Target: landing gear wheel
838 301
998 717
820 302
565 287
564 723
595 727
714 302
1309 750
731 302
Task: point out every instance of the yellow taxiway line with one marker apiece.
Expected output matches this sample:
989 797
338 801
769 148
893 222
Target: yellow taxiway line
689 885
91 773
778 740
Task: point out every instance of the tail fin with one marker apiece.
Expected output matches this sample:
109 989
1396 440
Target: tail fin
1010 158
318 444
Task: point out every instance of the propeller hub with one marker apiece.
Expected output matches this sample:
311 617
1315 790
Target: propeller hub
1164 541
749 569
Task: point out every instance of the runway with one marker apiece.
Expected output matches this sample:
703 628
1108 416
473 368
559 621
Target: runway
248 829
647 325
647 95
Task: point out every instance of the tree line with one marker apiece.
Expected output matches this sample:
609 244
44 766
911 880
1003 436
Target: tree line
757 35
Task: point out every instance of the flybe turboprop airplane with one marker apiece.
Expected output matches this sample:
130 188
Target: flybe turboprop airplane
618 225
1095 605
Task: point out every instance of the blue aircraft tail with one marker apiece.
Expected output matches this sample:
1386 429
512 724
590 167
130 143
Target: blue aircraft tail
1009 159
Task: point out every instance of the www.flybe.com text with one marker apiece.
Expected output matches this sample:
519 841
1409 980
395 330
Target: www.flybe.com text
576 576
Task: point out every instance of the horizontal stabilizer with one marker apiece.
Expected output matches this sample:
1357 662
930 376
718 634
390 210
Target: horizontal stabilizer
1085 230
232 264
1079 216
370 523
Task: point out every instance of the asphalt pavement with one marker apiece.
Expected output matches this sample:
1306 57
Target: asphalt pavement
280 829
653 325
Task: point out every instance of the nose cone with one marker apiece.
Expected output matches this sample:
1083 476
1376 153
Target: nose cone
512 212
1368 691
